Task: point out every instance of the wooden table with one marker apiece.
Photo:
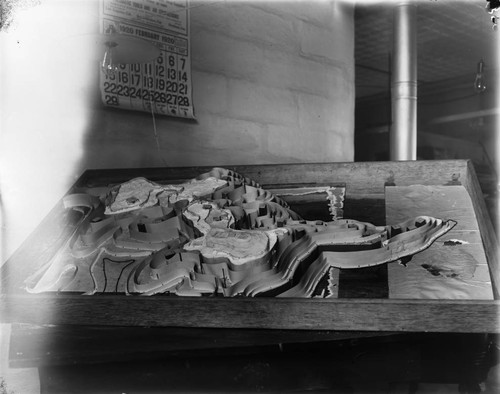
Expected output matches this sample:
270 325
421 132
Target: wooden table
370 303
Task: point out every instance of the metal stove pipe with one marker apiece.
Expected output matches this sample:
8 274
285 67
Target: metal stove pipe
403 136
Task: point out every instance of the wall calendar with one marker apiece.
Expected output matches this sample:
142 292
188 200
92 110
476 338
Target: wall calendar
163 85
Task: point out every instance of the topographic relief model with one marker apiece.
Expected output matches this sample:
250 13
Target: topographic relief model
218 234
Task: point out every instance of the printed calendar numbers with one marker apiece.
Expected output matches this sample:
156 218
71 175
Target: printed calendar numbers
163 85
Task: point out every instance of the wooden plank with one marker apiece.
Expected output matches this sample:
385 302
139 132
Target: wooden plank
272 313
455 266
488 235
327 369
35 346
362 177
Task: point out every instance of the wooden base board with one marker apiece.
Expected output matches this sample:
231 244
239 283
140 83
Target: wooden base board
455 266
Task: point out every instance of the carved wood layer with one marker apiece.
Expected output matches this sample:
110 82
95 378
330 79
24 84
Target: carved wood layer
218 234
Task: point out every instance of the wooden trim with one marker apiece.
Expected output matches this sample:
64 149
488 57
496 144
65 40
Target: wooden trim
363 177
273 313
488 234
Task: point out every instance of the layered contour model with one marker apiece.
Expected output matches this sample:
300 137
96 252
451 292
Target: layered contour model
218 234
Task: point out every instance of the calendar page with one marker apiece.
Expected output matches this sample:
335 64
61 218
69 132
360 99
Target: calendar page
162 85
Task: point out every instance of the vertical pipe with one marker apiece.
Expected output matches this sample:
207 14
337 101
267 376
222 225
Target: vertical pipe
496 134
403 136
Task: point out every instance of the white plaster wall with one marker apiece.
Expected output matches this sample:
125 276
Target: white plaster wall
273 83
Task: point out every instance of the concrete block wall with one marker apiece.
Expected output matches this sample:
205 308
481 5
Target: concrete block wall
273 82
